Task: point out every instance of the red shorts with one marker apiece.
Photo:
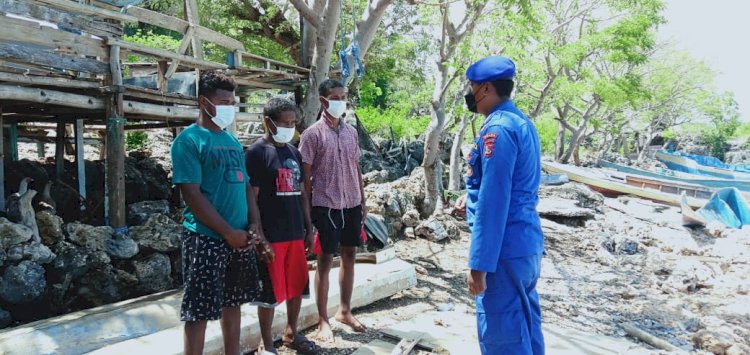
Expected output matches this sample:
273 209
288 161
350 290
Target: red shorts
287 275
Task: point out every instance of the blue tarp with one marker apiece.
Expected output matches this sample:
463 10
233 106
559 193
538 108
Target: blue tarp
713 162
727 206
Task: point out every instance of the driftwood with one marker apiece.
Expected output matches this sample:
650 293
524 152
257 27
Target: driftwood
648 338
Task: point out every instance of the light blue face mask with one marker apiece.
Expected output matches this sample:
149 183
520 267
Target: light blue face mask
283 134
224 115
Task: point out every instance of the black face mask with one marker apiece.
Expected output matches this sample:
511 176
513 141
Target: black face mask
471 101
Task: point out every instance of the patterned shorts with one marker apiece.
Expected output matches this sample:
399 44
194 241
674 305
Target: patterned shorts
216 276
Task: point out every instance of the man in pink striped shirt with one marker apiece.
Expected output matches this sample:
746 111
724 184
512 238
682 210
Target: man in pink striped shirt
330 161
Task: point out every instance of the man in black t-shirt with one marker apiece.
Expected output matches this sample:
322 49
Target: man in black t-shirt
275 170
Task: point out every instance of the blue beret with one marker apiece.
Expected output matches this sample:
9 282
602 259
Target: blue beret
491 69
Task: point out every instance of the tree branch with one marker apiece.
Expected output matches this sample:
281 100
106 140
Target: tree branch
307 13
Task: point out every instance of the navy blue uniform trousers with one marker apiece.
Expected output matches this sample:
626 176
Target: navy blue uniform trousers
508 314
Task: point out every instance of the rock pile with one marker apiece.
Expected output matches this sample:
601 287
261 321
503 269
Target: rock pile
78 266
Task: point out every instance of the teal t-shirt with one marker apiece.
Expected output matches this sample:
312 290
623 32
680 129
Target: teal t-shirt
216 161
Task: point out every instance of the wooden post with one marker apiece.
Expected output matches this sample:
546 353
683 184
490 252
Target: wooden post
60 150
115 165
80 160
162 76
40 153
2 161
193 18
14 141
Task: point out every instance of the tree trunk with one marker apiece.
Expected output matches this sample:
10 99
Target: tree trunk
646 144
454 174
575 141
433 180
560 142
321 61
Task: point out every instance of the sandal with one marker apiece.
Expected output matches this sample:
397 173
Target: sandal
303 345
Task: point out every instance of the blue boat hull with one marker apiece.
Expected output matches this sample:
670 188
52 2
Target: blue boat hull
714 183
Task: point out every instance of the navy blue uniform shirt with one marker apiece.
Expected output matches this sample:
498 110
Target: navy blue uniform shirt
503 183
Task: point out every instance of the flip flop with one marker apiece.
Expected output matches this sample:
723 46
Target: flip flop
303 345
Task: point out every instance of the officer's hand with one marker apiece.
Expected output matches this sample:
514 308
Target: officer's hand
460 204
237 239
477 282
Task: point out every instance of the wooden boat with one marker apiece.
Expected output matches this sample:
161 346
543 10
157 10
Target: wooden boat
617 184
707 181
684 164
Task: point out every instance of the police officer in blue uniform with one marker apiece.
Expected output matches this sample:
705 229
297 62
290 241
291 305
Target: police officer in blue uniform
506 234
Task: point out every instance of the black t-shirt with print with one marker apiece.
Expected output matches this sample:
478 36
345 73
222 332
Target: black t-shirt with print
277 172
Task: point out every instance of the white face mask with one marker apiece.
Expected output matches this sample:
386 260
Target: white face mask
336 108
283 134
224 115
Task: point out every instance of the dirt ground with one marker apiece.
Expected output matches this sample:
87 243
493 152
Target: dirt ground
633 262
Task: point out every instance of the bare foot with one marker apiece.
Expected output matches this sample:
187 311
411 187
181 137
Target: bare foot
325 333
348 319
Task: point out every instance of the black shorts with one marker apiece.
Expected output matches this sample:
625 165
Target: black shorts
338 227
216 276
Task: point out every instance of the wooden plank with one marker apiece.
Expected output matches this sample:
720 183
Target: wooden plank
63 19
52 97
32 32
277 63
180 25
155 97
379 257
81 8
405 346
396 335
26 54
2 160
262 85
60 151
161 53
80 160
187 39
48 81
115 145
375 347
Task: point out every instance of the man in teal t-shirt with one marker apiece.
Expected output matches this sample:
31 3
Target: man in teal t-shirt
219 266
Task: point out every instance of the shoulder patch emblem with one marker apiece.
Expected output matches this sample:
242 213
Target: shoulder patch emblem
489 144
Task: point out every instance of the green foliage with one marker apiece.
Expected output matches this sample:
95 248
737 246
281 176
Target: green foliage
151 39
743 131
380 122
135 140
546 127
